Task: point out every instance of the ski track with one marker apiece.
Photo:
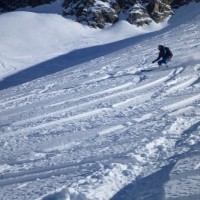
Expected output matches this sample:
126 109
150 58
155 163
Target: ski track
91 129
59 122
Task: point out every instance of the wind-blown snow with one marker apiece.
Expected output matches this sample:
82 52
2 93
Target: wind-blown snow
88 117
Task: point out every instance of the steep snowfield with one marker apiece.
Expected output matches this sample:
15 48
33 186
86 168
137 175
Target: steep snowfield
29 38
98 124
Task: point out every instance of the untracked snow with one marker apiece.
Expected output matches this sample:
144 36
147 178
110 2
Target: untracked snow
85 115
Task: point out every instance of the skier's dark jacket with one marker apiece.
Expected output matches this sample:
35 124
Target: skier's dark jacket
163 53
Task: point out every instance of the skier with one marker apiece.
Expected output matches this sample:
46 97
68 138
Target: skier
165 54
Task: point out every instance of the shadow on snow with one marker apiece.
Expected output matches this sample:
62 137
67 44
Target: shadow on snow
152 186
148 188
68 60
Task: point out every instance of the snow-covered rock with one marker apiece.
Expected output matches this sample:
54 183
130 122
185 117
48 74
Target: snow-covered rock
101 13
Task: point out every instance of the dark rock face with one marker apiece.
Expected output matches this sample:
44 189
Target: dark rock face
103 12
158 11
92 13
10 5
34 3
139 16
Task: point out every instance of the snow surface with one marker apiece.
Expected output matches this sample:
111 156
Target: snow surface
83 118
29 38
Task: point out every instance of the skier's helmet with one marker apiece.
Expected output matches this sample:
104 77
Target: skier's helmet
159 47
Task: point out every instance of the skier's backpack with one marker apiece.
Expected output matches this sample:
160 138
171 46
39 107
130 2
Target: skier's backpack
168 52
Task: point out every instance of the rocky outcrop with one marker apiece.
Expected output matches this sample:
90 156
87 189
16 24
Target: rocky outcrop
138 15
10 5
92 13
34 3
158 10
100 13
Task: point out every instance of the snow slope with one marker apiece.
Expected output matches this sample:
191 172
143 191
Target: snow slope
28 38
102 126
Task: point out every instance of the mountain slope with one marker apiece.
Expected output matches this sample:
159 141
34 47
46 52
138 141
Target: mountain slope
50 36
106 127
